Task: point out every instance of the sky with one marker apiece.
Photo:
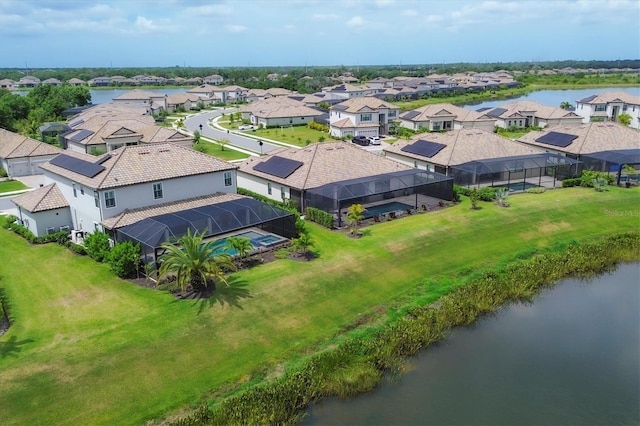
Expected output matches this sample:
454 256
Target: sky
263 33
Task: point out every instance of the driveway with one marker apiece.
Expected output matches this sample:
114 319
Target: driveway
193 123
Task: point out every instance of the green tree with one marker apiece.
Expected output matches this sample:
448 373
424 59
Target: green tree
124 259
355 214
474 197
624 119
97 246
194 262
223 143
565 105
196 137
303 243
242 247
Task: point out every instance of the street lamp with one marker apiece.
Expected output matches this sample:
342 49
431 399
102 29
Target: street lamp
200 128
260 143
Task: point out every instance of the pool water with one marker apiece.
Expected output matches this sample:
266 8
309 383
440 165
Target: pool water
257 240
386 208
518 186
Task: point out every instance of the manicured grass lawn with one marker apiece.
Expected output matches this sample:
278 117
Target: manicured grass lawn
297 135
227 154
11 185
87 348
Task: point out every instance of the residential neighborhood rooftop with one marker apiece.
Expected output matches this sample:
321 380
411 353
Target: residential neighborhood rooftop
48 197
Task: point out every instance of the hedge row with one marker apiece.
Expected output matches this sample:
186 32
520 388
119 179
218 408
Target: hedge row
486 193
289 205
358 362
319 216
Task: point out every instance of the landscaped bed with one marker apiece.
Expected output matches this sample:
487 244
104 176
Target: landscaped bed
86 348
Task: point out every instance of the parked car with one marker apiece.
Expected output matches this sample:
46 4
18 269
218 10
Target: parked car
360 140
374 140
245 127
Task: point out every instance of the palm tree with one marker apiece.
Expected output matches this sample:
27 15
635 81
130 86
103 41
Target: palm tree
354 216
194 262
303 243
242 246
565 105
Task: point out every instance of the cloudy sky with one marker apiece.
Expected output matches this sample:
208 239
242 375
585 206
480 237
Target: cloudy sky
136 33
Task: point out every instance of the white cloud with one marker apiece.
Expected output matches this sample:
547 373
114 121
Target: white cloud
146 25
235 29
356 21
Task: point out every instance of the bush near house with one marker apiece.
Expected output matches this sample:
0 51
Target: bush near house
124 259
484 194
97 246
319 216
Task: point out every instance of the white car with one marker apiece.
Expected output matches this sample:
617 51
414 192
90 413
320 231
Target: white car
245 127
374 140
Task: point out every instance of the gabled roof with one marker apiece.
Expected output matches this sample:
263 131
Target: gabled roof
181 98
590 137
132 165
324 163
137 95
607 97
14 145
462 146
428 112
537 109
355 105
41 199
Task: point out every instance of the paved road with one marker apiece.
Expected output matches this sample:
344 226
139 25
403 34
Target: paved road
193 123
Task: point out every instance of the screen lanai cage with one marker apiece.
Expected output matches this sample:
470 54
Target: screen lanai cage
411 186
614 162
517 173
216 219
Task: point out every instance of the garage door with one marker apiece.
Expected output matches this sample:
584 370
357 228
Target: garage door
19 168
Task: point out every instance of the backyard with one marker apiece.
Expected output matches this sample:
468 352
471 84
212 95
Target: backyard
87 348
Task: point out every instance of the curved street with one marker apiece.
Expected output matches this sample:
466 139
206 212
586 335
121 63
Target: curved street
236 138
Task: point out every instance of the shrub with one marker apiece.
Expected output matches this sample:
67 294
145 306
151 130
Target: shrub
536 190
77 248
317 126
319 216
124 259
589 176
97 246
571 182
486 193
288 205
3 172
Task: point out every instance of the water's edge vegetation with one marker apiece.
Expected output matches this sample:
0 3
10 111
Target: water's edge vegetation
357 362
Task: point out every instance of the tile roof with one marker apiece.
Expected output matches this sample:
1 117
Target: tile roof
14 145
137 94
429 112
607 97
41 199
591 137
325 163
518 108
354 105
464 145
129 217
131 165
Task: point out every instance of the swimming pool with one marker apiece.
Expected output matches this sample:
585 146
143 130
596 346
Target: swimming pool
380 209
258 240
517 186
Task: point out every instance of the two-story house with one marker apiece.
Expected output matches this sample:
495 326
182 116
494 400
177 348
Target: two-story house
522 114
438 117
608 106
366 116
213 79
98 188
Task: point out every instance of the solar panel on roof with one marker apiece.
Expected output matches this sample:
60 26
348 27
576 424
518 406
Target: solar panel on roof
483 109
496 112
82 134
103 159
557 139
410 115
278 166
76 165
76 123
588 99
424 148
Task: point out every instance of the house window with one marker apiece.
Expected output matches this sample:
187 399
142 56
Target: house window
227 179
415 164
157 190
269 188
96 198
392 113
624 107
282 193
600 108
365 117
110 199
81 190
75 191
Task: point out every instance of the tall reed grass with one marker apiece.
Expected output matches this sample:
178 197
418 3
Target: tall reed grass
358 362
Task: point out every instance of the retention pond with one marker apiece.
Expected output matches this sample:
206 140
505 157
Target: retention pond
569 358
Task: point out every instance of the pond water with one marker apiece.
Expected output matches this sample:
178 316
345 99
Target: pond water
102 96
569 358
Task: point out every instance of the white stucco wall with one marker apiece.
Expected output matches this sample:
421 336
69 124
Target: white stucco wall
411 162
260 186
39 222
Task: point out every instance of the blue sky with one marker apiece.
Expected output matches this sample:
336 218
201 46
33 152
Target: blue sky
218 33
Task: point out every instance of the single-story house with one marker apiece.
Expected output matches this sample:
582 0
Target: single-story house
44 210
279 111
23 156
436 117
332 176
529 113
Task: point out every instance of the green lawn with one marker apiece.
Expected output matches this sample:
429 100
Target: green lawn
226 154
11 185
296 135
87 348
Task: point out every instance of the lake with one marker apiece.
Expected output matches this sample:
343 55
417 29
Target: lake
571 358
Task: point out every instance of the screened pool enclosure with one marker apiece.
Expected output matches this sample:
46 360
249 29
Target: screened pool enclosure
409 185
516 173
217 219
